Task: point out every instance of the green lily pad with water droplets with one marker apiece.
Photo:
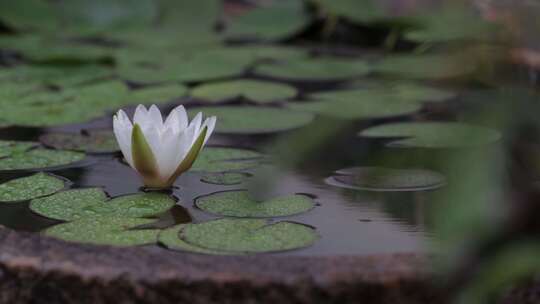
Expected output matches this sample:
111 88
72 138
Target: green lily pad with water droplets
434 134
386 179
157 94
254 90
254 120
80 203
430 66
115 231
249 235
9 147
260 22
225 178
240 204
357 104
25 188
170 238
221 159
39 158
315 69
100 141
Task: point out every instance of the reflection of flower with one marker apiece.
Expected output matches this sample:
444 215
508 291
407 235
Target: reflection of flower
161 151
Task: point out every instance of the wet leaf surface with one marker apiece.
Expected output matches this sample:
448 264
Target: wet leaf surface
249 235
170 238
240 204
39 158
100 141
26 188
254 90
226 178
220 159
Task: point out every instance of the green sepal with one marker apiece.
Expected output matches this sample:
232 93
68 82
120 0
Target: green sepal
143 157
190 157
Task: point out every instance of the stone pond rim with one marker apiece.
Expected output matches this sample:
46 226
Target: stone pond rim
38 269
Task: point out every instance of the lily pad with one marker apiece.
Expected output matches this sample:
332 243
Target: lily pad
240 204
255 90
407 91
101 141
431 66
28 15
170 238
362 11
25 188
113 231
260 22
385 179
226 178
8 147
81 203
434 134
254 120
249 235
221 159
39 158
357 104
315 69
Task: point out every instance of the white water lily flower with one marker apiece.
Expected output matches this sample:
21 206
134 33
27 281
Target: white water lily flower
160 151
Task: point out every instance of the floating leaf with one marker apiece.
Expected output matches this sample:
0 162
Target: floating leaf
254 120
407 91
249 235
39 158
255 90
434 134
357 104
220 159
355 10
101 141
385 179
113 231
28 15
157 94
240 204
170 238
431 66
226 178
260 22
315 69
80 203
8 147
30 187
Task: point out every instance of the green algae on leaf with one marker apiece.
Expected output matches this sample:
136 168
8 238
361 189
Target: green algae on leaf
386 179
240 204
39 158
260 22
225 178
221 159
80 203
357 104
100 141
170 238
255 90
105 230
434 134
25 188
315 69
430 66
249 235
254 120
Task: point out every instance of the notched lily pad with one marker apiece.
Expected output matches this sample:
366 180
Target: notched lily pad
433 134
101 141
25 188
225 178
249 235
315 69
39 158
240 204
115 231
254 90
221 159
386 179
81 203
170 238
254 120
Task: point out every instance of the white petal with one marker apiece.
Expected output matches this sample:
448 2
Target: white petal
196 124
169 154
177 119
151 134
185 142
123 136
141 117
210 123
154 115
